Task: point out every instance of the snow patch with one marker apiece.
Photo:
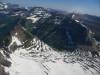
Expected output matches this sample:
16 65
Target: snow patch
33 18
77 21
15 39
24 66
61 68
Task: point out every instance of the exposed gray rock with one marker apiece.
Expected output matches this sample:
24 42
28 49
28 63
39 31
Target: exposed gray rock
3 62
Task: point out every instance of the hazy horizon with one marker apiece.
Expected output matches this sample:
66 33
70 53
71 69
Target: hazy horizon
91 7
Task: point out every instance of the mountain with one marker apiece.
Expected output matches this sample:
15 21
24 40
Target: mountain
92 22
47 40
55 29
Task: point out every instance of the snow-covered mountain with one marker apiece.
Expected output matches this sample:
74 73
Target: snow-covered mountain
41 59
37 13
41 42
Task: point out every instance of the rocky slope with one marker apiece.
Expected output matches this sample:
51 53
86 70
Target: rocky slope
39 56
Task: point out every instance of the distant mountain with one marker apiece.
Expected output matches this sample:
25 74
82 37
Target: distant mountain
92 22
55 29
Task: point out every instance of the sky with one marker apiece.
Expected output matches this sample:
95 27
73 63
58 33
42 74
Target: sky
81 6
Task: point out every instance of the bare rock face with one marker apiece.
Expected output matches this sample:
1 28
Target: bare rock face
3 63
2 72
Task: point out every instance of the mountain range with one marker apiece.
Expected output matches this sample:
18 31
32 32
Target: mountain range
43 32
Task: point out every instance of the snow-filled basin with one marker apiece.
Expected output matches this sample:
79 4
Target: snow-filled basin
26 65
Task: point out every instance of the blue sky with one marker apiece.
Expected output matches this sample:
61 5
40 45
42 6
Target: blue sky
82 6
